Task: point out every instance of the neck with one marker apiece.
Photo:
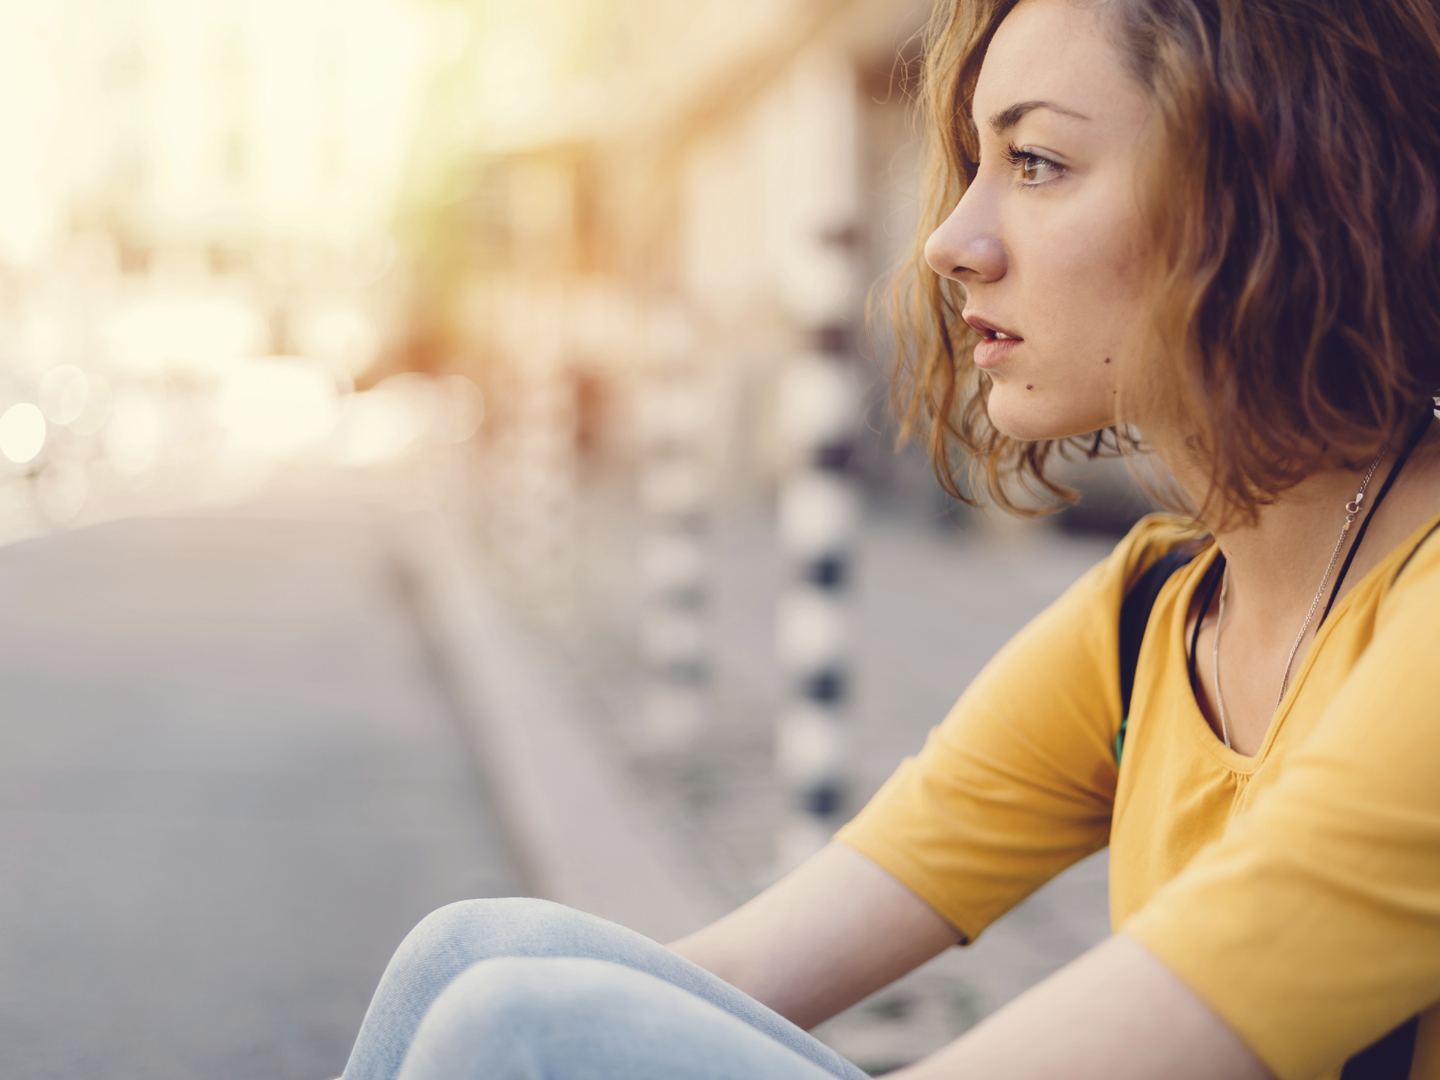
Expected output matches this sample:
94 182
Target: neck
1277 561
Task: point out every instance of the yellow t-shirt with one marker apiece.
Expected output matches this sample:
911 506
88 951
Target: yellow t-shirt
1298 891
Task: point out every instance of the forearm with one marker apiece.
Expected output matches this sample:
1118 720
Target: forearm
1117 1013
840 928
833 932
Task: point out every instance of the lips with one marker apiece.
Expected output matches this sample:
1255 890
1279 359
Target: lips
996 343
990 331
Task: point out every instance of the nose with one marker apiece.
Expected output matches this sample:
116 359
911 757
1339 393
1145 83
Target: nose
967 246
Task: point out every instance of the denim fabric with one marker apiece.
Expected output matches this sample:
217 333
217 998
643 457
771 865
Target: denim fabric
501 989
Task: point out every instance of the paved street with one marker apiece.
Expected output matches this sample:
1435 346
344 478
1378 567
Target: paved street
229 782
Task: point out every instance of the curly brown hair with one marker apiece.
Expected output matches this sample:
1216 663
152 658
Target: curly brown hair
1293 198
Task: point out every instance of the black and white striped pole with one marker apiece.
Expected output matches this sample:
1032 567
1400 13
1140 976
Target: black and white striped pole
672 422
818 200
818 512
536 459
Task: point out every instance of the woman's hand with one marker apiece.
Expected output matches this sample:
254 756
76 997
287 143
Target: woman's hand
1117 1013
830 933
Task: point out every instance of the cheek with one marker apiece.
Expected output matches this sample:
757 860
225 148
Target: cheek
1084 301
1090 289
1086 281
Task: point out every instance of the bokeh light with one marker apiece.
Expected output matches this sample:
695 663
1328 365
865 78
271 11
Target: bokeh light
22 432
133 433
382 424
278 405
156 337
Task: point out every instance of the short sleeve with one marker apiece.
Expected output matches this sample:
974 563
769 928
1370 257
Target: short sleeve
1313 925
1018 782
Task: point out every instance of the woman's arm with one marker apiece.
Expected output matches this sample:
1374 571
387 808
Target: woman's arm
839 928
1117 1013
822 938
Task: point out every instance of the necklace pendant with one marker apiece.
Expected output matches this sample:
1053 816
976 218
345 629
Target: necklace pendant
1352 510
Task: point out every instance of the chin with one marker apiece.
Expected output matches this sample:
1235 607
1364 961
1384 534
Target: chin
1034 415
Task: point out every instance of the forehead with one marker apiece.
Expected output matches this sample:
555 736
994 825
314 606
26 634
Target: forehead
1056 51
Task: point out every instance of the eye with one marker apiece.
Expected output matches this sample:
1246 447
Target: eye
1035 169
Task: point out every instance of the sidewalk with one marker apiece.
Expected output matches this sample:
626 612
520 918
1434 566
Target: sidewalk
230 781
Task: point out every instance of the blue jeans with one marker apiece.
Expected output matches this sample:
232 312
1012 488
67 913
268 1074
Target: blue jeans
502 989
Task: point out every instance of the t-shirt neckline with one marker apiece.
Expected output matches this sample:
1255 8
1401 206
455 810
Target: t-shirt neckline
1230 758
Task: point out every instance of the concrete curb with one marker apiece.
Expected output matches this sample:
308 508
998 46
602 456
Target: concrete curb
583 835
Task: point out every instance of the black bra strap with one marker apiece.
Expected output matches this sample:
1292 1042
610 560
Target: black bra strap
1213 576
1135 612
1390 1058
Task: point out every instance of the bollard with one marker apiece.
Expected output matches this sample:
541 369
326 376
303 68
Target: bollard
531 492
818 514
817 208
674 634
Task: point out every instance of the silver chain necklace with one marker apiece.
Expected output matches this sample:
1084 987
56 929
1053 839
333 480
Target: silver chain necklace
1352 510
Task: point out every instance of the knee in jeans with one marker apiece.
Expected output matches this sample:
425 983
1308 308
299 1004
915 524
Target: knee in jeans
499 917
471 930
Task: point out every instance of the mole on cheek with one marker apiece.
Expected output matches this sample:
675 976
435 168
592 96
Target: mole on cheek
1029 386
1107 359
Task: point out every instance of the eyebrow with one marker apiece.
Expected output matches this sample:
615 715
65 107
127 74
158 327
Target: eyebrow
1007 118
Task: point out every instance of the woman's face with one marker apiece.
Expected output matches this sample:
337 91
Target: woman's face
1046 238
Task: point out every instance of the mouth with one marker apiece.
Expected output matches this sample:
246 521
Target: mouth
995 341
988 330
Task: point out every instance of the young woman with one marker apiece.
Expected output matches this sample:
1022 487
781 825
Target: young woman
1215 223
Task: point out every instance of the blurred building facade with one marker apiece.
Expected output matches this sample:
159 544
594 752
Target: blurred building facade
721 164
196 262
616 195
